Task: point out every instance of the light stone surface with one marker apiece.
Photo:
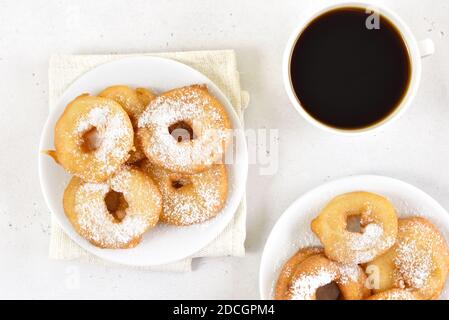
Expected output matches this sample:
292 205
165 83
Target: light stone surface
414 149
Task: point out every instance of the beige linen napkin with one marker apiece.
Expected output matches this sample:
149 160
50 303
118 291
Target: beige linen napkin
221 67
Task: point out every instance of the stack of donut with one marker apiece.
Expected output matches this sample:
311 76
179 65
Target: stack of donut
138 158
380 257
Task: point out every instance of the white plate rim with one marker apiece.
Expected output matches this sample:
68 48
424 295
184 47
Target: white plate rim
289 213
243 156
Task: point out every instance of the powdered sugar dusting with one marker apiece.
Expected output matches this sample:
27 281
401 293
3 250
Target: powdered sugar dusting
349 273
203 199
98 225
102 188
414 264
414 254
209 191
370 235
305 286
366 246
95 220
111 133
206 122
96 117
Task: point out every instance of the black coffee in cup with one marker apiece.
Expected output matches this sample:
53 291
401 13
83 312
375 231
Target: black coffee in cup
350 69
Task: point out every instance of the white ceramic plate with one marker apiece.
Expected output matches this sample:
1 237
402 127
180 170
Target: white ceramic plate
163 244
292 230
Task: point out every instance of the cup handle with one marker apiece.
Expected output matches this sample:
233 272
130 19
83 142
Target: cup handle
426 47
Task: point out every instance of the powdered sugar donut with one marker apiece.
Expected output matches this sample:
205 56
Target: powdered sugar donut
287 271
93 138
114 214
190 199
318 278
184 130
418 261
378 222
133 102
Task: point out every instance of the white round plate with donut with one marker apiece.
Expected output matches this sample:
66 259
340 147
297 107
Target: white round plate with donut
163 244
292 231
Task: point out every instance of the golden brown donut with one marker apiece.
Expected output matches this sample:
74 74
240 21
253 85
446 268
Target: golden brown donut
93 138
134 102
145 96
128 98
190 199
395 294
114 214
315 272
378 225
418 261
184 130
288 269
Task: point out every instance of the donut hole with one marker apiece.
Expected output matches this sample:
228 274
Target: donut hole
178 183
354 224
90 140
182 131
116 204
330 291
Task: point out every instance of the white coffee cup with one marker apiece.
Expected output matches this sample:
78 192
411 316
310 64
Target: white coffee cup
417 50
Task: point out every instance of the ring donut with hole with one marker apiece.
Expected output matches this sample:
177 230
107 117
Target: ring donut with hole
378 222
311 276
190 199
197 113
93 138
285 276
114 214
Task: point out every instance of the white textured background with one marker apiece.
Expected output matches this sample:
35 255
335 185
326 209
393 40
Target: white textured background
415 149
